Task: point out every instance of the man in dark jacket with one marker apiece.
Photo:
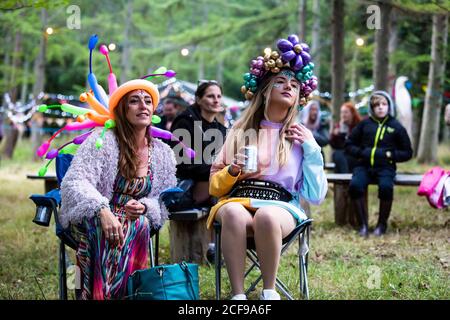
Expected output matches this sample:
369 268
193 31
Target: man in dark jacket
378 142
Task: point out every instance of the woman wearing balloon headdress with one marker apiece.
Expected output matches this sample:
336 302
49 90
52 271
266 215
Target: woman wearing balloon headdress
268 149
110 193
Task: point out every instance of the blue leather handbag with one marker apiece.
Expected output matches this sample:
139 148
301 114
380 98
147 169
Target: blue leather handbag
165 282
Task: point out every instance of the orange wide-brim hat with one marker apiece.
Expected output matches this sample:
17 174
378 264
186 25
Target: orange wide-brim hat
137 84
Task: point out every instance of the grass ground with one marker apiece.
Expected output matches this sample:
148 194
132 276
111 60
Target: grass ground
410 262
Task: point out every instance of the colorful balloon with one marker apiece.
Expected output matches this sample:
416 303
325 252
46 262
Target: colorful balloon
42 150
52 154
74 109
81 138
100 119
92 80
97 106
103 94
69 149
87 124
112 83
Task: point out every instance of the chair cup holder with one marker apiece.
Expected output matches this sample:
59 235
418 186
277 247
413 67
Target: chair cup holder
43 215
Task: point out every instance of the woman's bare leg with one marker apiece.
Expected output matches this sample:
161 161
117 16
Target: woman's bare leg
236 224
270 225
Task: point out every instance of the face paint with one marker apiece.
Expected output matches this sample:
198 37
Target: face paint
288 74
277 85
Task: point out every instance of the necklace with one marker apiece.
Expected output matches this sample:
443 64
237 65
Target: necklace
143 157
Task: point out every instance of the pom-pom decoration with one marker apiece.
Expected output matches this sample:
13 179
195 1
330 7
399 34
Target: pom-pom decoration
292 54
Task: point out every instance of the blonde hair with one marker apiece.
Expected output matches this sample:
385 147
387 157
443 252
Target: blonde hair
251 119
377 98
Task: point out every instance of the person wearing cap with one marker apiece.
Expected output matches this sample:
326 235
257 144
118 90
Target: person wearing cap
263 203
378 143
110 194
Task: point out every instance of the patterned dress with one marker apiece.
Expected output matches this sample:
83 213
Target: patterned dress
105 269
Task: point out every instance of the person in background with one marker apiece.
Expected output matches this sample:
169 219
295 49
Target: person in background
310 117
169 113
378 143
196 120
349 118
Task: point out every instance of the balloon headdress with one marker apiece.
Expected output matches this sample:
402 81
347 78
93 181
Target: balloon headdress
101 109
293 55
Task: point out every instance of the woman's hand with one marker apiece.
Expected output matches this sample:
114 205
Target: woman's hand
298 132
112 228
134 209
237 164
336 131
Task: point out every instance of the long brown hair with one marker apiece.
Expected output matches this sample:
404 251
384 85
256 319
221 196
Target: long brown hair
128 148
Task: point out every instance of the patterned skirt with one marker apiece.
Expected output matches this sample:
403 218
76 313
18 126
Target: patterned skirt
105 269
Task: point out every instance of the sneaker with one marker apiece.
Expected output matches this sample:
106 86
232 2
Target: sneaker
269 294
211 253
240 296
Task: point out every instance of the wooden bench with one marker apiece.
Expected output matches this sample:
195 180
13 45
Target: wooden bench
329 166
189 237
50 181
344 210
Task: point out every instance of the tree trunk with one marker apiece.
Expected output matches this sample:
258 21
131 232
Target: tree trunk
219 72
392 47
302 19
6 61
429 132
39 63
315 43
337 57
381 58
12 135
201 65
24 90
39 86
126 61
354 83
13 93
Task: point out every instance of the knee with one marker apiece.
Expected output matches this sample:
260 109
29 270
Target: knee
232 215
265 220
386 192
356 189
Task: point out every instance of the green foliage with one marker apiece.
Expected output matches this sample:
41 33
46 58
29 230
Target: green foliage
216 32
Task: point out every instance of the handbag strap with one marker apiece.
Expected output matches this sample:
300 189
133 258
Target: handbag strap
190 277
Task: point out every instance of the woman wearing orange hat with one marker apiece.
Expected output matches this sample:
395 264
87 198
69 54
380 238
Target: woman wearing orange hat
110 194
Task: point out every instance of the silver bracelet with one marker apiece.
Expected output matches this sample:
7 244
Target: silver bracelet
102 206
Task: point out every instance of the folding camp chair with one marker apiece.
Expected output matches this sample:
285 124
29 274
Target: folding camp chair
50 203
301 232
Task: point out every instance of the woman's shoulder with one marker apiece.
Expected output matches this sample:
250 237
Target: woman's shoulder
161 147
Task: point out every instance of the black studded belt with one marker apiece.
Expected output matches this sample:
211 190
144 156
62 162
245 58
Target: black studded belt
260 189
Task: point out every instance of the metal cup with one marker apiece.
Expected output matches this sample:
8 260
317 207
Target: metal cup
251 160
